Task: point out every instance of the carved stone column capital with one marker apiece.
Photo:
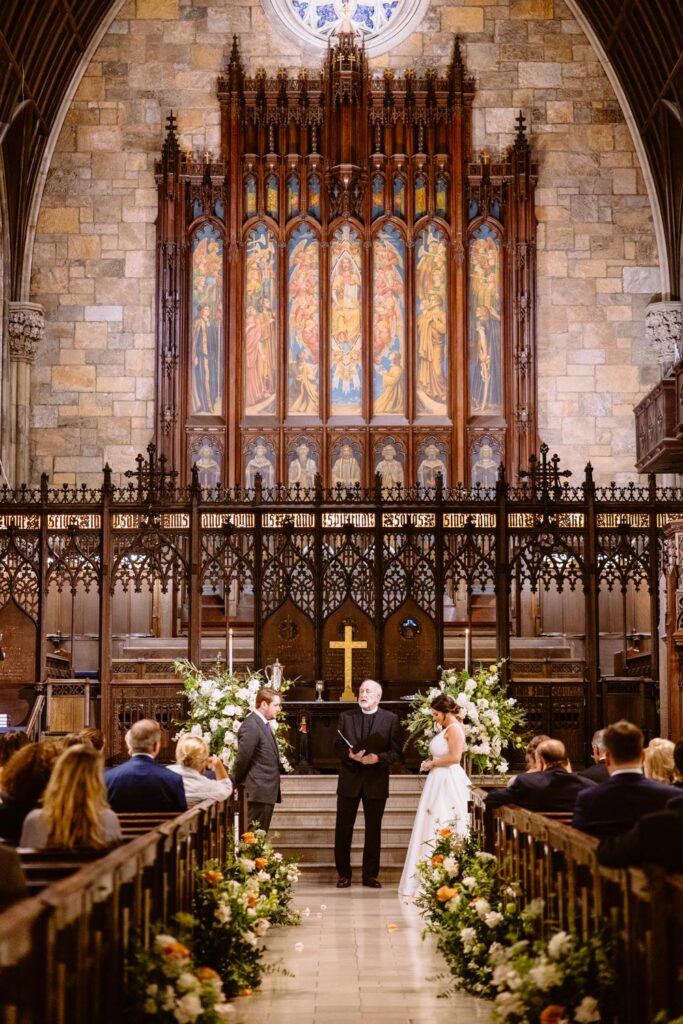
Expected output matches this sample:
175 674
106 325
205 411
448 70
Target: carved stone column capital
663 331
26 329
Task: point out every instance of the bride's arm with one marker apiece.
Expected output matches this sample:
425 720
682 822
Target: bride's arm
456 743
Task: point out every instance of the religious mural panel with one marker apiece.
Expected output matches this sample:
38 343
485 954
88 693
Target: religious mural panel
206 368
390 463
442 196
249 196
260 323
346 323
206 454
486 457
432 459
314 196
431 321
377 196
347 463
272 196
388 322
302 464
293 201
260 458
420 196
303 323
399 197
484 323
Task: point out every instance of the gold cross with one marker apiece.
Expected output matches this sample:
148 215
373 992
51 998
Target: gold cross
347 645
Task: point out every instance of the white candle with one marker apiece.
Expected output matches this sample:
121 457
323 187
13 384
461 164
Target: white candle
467 650
236 831
230 650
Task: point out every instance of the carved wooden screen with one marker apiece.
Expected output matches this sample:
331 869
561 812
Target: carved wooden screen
345 291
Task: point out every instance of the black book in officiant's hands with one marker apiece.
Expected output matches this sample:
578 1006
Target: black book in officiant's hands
375 743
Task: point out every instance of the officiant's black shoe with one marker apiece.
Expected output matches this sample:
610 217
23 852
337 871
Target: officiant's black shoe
344 883
372 883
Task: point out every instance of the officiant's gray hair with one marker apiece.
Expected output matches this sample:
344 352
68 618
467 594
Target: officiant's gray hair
374 683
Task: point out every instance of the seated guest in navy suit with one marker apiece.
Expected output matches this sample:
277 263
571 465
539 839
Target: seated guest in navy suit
613 807
141 784
553 788
655 839
598 771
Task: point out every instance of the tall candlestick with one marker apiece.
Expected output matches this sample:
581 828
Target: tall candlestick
467 650
230 650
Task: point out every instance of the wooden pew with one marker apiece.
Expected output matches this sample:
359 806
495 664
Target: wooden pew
642 908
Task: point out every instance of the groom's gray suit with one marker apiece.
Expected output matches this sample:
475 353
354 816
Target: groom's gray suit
258 768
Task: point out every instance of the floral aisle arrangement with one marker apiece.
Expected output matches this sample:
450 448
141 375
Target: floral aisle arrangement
492 720
165 986
492 947
236 904
219 703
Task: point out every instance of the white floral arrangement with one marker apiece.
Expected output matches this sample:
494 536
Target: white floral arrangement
492 720
219 703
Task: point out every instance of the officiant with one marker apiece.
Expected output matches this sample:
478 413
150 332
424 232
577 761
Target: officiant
368 743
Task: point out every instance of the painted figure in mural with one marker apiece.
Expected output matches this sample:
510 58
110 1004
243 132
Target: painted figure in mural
260 331
346 468
431 465
432 323
392 396
303 468
208 467
259 463
485 468
206 363
303 334
390 469
346 310
303 386
485 335
345 323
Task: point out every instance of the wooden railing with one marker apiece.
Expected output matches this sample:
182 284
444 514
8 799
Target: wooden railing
642 909
62 952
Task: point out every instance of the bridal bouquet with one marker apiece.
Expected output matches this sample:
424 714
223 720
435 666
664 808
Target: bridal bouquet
219 703
492 721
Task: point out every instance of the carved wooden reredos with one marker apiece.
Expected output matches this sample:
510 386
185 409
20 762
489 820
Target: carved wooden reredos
346 289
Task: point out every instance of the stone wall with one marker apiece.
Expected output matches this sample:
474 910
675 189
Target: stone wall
93 381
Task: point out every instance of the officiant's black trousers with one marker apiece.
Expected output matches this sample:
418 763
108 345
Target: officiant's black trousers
347 809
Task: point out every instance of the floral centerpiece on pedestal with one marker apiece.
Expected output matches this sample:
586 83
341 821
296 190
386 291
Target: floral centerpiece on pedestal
492 720
219 703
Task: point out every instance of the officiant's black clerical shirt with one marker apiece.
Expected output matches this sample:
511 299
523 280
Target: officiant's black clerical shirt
367 724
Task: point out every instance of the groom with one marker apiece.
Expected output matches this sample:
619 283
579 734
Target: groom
364 777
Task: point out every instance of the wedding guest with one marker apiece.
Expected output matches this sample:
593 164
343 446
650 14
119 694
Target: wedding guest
530 759
25 777
75 814
613 807
678 765
10 742
659 761
655 839
598 770
141 784
551 788
193 758
95 737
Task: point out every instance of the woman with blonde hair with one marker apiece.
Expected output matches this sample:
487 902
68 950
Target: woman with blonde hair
193 758
75 814
659 760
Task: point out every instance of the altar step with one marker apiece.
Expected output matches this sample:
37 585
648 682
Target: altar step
305 823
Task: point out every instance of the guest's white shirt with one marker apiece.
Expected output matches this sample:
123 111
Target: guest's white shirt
198 787
626 771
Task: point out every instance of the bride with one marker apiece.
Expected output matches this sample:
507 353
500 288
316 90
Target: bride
446 791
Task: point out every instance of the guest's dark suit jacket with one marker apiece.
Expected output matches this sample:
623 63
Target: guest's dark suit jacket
555 789
615 806
597 772
370 779
258 761
655 839
140 784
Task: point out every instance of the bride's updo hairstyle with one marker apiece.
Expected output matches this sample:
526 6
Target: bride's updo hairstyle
446 705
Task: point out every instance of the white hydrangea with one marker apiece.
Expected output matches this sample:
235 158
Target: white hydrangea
507 1004
545 975
493 918
450 866
468 935
588 1011
481 907
469 882
187 982
223 913
560 944
188 1008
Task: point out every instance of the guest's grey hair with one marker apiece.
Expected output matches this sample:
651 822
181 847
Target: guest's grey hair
598 740
143 736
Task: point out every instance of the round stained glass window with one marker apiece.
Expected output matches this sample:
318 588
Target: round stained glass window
379 24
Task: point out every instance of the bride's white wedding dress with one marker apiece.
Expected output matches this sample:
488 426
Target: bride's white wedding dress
443 802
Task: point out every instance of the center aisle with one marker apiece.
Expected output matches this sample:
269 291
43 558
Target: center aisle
357 957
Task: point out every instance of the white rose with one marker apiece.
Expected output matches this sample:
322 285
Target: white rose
493 918
188 1008
450 865
507 1003
469 882
196 730
214 724
163 940
481 907
263 876
468 935
251 938
261 927
560 945
545 975
588 1011
277 856
187 982
223 913
247 864
236 726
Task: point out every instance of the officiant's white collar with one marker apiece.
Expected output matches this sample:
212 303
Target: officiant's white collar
373 712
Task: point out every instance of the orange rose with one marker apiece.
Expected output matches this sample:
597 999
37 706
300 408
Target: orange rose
445 832
213 877
437 859
207 974
261 862
551 1015
245 992
445 893
175 951
249 837
252 899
